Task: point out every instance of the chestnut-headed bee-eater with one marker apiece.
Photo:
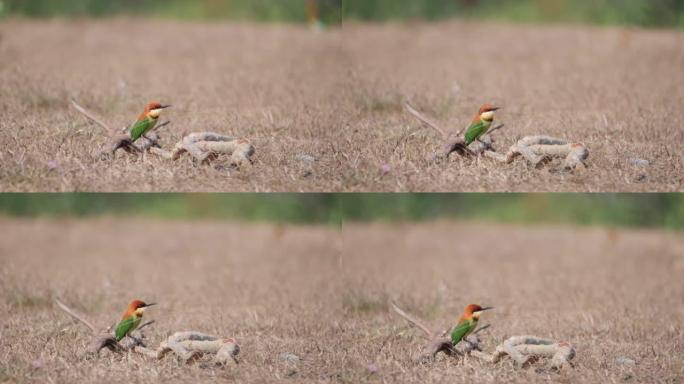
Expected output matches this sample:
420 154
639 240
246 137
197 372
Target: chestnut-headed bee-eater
147 120
467 322
131 318
481 123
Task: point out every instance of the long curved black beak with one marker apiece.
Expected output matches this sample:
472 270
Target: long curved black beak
165 106
495 109
149 305
486 308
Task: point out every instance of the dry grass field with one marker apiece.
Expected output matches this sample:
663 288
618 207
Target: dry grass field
616 90
322 294
271 84
337 96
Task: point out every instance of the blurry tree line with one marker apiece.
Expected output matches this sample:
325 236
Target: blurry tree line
652 13
647 210
328 11
626 12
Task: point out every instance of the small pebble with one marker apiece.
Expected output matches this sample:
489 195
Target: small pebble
639 162
625 361
385 169
52 165
289 357
306 158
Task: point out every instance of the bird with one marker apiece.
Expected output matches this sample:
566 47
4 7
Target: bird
467 322
147 120
481 123
131 318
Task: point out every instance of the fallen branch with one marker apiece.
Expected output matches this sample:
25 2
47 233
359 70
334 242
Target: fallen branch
537 149
204 145
412 320
426 120
117 140
91 116
525 349
189 346
186 345
75 315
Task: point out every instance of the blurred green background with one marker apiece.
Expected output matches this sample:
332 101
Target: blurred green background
329 11
652 13
630 210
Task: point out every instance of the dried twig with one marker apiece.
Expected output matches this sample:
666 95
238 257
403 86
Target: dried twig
75 315
412 320
145 324
117 140
92 117
103 338
425 120
482 328
491 131
161 125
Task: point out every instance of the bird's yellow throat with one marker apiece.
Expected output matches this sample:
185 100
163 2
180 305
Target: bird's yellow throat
155 113
487 116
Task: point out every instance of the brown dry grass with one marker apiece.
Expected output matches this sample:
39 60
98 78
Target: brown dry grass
322 294
337 96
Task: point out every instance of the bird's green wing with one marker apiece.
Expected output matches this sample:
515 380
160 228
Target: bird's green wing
460 331
126 325
141 127
475 131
